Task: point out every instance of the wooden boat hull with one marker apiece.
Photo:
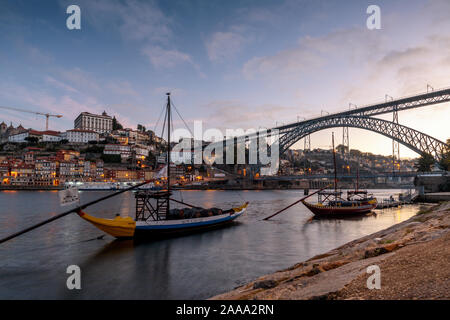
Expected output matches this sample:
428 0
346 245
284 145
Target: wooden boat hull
118 227
330 211
183 227
128 228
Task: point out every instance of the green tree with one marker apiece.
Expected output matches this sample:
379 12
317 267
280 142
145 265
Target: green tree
355 152
141 128
32 140
93 149
425 163
111 158
444 163
116 125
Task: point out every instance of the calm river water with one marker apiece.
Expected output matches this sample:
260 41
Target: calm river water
33 266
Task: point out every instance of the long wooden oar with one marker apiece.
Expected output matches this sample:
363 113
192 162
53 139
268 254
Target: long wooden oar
181 202
293 204
71 211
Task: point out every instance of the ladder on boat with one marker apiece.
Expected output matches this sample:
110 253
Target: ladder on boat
145 208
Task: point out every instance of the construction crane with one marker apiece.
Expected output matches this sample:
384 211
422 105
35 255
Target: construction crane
47 115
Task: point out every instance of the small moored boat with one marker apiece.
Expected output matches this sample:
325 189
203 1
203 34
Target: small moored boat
127 227
334 205
331 203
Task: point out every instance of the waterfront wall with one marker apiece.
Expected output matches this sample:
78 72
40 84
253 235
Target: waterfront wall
30 188
433 183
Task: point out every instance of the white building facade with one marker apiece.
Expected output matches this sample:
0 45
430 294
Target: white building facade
123 150
42 136
80 136
98 123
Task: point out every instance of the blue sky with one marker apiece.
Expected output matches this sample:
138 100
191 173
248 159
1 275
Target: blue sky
232 64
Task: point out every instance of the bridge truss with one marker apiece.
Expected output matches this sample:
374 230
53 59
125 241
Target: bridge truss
363 118
413 139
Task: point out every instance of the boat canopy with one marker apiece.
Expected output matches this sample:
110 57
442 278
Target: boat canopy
330 193
357 192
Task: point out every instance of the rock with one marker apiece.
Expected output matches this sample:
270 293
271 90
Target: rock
315 270
391 247
414 223
265 284
334 265
375 252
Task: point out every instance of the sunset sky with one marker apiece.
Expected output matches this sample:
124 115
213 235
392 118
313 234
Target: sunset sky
232 64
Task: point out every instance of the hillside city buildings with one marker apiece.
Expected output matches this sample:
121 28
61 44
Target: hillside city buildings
95 151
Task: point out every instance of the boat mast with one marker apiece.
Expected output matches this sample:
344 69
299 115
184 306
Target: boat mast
168 152
334 163
357 176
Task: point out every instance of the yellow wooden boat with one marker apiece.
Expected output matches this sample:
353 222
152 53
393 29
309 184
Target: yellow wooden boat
127 227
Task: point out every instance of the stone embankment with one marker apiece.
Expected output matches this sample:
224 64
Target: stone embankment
413 256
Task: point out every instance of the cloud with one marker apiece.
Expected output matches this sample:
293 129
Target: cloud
59 84
405 71
123 88
224 45
162 58
312 54
283 63
83 80
228 114
141 22
135 20
32 53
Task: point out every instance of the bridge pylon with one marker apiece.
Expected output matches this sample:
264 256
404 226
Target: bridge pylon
395 146
307 143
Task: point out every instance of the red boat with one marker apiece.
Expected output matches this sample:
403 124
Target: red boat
333 205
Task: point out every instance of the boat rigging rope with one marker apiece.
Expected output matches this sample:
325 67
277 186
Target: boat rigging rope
239 194
181 195
176 110
164 125
159 118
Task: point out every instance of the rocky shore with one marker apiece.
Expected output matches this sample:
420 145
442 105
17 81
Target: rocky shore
413 256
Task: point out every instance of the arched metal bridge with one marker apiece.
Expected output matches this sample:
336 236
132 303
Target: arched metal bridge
363 118
413 139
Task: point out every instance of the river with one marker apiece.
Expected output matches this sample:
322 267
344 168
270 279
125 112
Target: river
198 266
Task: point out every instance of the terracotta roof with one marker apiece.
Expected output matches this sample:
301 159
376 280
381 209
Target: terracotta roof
51 133
81 130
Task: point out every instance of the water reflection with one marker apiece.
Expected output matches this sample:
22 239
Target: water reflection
190 267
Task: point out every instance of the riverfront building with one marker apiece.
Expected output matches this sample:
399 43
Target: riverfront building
80 136
98 123
41 136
